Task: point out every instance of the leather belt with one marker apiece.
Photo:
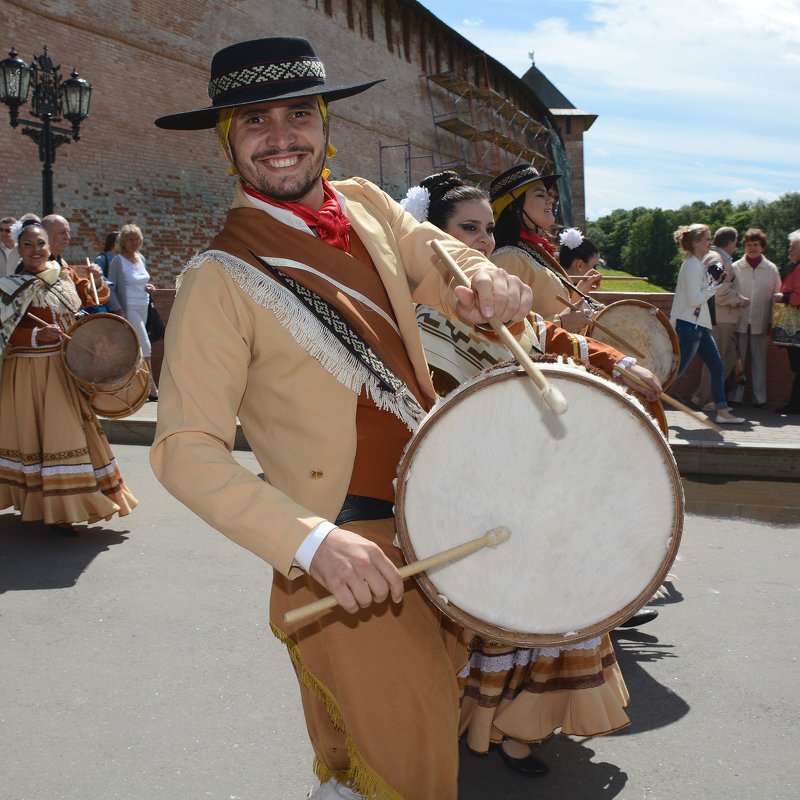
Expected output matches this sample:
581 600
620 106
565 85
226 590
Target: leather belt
357 507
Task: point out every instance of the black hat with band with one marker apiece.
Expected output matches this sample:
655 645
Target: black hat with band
277 68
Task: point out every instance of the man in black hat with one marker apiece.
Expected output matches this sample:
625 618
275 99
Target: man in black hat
299 320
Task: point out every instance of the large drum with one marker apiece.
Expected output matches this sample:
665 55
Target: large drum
593 500
646 328
103 356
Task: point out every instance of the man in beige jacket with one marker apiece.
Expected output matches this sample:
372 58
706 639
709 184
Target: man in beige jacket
299 320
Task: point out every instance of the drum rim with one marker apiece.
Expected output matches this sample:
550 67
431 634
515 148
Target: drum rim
109 386
660 316
515 638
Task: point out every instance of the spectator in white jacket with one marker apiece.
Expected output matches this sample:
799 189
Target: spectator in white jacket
759 279
728 303
691 317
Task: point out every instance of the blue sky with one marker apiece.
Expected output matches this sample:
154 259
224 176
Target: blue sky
696 99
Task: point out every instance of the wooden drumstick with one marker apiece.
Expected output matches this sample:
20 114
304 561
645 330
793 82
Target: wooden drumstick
491 538
610 278
550 394
65 335
674 403
91 280
611 333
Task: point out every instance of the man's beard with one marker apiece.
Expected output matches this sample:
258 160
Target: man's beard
297 187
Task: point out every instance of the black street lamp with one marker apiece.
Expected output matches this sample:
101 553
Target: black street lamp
52 99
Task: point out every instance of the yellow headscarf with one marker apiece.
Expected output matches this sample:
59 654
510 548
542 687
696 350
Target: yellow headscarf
225 117
499 204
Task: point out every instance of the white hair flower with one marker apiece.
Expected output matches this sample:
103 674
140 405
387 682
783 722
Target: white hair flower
416 202
570 238
16 229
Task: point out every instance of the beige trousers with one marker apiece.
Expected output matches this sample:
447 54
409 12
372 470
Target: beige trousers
379 687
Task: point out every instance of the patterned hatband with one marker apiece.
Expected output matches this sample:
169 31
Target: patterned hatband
275 72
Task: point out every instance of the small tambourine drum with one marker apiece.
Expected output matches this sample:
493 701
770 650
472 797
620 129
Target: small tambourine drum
104 359
646 328
593 499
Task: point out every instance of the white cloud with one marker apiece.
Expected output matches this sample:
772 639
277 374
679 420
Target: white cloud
696 100
472 23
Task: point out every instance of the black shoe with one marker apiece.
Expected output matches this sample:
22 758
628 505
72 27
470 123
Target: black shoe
530 765
641 617
63 528
787 410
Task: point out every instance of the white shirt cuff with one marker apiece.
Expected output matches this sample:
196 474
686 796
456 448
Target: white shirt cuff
624 363
308 549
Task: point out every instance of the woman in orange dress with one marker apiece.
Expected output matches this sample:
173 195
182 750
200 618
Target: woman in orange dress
56 465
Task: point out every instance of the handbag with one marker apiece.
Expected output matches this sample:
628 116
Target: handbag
786 325
154 324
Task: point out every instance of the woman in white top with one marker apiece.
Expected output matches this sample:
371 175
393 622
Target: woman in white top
128 273
691 317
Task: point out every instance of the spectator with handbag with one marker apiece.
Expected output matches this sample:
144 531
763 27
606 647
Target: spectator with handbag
128 273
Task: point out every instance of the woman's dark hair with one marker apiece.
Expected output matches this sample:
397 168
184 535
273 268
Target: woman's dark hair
584 251
510 222
447 190
110 239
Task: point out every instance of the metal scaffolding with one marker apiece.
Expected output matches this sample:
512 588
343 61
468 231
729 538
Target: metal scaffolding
489 133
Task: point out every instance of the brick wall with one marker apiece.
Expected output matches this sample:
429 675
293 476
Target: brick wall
146 58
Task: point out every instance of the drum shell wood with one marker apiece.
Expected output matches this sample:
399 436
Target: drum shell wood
487 488
102 355
648 329
124 401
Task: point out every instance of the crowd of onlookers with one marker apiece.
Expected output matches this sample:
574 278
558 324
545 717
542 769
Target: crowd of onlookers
724 310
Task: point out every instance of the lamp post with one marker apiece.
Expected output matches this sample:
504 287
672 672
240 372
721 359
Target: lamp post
52 99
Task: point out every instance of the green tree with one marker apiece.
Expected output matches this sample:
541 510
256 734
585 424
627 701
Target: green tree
650 248
635 240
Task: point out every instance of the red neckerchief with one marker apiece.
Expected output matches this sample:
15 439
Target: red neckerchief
331 224
753 262
532 238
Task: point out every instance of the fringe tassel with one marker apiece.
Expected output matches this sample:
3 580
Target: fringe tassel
361 776
311 335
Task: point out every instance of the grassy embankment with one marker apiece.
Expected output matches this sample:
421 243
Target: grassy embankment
633 285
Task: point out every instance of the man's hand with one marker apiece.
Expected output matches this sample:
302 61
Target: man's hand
355 571
645 375
494 293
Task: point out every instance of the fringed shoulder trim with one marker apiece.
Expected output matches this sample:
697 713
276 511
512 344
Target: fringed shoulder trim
310 334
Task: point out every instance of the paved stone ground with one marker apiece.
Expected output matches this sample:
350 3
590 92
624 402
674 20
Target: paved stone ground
137 665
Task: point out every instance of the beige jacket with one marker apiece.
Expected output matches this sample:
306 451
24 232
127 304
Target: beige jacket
759 285
727 300
546 287
226 355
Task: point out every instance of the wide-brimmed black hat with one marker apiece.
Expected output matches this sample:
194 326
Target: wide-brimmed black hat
277 68
513 183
